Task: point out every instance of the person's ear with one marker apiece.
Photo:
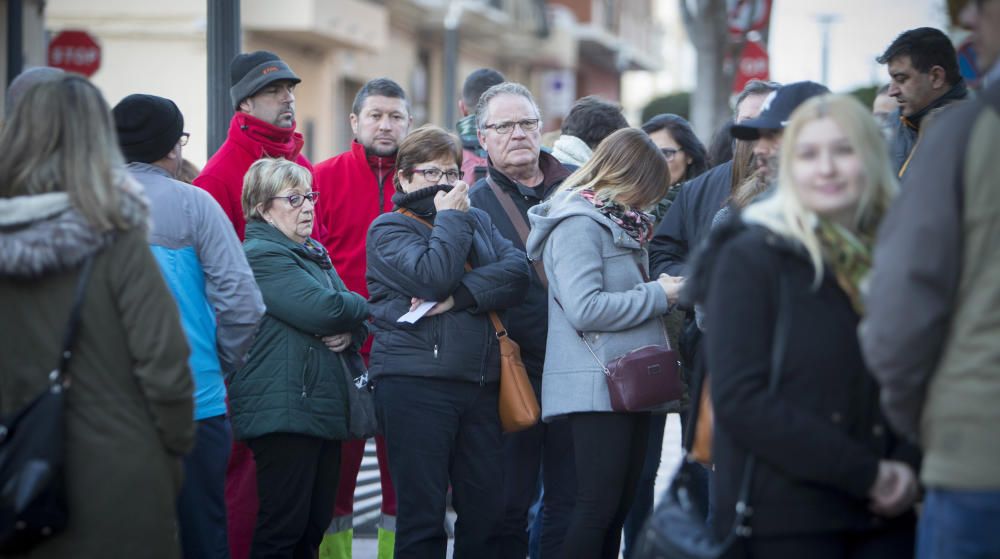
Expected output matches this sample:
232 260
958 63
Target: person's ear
354 123
938 77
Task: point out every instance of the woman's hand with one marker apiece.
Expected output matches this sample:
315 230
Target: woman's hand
457 199
337 342
671 286
895 488
442 307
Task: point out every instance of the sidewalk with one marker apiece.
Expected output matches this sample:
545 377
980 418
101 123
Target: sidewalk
367 548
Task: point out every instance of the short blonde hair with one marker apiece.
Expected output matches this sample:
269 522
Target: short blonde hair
627 168
784 213
265 179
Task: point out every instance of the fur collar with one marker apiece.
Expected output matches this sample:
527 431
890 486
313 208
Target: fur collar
44 234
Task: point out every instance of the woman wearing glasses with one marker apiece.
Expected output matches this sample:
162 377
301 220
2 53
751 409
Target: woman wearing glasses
437 379
289 402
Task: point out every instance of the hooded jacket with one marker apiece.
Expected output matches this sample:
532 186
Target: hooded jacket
129 406
408 259
249 139
203 264
595 273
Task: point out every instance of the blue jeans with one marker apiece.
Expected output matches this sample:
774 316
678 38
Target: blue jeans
201 508
959 525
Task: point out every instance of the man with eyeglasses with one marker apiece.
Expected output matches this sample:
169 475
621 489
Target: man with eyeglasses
263 125
203 263
357 187
519 176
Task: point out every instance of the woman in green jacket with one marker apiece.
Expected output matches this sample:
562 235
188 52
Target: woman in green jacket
289 402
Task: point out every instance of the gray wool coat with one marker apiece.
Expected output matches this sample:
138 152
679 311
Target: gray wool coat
593 271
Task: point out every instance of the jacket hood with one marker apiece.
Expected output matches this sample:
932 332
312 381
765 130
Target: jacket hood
546 216
43 234
570 150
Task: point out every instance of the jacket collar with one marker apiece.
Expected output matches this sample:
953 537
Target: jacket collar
553 173
310 249
957 92
139 167
379 165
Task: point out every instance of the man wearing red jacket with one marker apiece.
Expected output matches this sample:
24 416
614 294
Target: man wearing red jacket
263 95
356 187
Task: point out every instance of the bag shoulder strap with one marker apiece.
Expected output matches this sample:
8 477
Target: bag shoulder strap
497 324
519 222
60 375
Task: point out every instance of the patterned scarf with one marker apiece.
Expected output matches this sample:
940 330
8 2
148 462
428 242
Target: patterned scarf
849 256
638 224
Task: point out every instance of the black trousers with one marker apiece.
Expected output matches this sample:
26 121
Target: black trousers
896 540
297 478
610 449
436 432
544 451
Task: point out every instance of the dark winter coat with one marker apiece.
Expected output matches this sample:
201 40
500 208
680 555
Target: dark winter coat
819 440
527 322
292 383
408 259
906 130
129 414
688 220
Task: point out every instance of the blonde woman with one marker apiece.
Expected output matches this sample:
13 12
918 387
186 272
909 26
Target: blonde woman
831 480
592 237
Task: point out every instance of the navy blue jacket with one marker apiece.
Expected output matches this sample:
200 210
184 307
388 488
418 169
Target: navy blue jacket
407 259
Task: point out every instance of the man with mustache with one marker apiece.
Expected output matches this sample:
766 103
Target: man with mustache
263 96
520 175
356 187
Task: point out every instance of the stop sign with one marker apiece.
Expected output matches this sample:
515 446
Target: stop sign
753 64
75 51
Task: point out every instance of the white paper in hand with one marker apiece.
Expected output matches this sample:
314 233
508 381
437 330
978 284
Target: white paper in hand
416 314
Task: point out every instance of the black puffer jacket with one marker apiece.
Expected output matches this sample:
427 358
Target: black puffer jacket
407 259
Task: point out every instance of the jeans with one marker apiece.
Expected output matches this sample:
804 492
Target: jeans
643 504
959 525
439 431
543 452
609 450
201 505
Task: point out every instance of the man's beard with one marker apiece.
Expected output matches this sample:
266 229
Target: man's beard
389 151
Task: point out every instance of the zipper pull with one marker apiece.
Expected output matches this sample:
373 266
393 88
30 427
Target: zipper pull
435 351
303 390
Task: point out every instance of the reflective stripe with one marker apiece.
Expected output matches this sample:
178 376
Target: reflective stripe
340 524
387 522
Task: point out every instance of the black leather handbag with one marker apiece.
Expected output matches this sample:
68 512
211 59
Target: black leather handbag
362 423
677 528
33 454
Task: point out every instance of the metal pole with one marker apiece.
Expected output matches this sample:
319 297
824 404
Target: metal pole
825 21
451 21
223 46
15 39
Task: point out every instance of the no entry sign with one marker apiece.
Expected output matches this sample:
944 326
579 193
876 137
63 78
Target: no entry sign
75 51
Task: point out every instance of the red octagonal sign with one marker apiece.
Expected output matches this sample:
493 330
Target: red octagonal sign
75 51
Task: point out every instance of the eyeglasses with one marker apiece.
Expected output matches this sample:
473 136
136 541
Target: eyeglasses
183 141
434 174
507 127
669 153
296 200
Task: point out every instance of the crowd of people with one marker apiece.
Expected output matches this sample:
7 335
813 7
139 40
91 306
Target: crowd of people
825 271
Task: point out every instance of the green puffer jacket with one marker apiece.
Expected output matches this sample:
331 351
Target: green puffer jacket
292 383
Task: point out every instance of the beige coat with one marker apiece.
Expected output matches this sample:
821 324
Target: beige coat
129 408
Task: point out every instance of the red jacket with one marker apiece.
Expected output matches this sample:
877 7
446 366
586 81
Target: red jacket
355 188
249 139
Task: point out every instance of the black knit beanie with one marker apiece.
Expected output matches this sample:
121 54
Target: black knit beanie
148 127
251 71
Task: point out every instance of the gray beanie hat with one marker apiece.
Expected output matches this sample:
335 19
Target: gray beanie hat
250 72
